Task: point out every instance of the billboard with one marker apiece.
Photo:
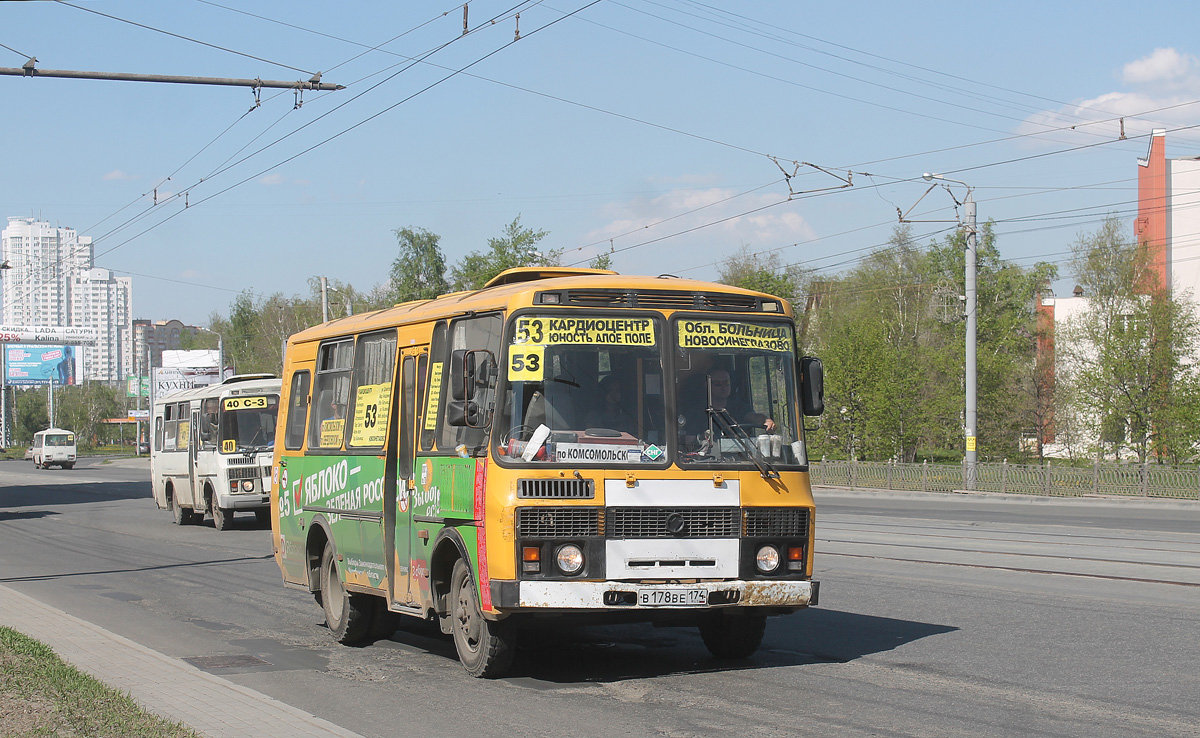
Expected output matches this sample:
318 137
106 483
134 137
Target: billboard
30 364
183 370
51 334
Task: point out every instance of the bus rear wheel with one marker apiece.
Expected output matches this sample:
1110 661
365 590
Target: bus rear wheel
347 614
485 647
181 515
733 634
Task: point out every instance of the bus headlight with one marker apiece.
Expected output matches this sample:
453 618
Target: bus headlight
569 559
247 485
767 559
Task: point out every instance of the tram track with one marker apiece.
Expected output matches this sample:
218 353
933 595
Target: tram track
825 524
1015 553
1023 570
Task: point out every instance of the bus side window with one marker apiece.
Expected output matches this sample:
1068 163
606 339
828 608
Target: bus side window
478 333
431 412
158 433
327 421
374 368
297 413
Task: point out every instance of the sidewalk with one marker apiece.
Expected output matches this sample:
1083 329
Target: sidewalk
165 686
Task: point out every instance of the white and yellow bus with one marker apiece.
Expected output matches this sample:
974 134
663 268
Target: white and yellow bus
54 446
565 442
211 451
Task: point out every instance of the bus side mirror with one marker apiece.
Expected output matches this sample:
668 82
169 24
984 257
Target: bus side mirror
462 375
812 385
470 371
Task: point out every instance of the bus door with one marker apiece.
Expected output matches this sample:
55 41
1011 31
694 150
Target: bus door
398 504
193 443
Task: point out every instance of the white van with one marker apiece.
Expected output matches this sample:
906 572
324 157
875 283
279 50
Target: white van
54 446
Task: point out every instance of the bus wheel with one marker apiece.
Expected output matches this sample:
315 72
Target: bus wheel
263 517
347 615
222 518
485 647
733 634
180 515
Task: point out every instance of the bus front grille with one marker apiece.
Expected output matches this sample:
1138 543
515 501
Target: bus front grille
559 522
556 489
673 522
760 522
248 472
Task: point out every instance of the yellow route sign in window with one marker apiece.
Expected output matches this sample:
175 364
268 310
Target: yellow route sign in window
435 396
584 331
526 363
726 334
371 405
244 403
331 432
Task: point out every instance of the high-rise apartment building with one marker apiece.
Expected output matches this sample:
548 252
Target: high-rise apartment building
51 281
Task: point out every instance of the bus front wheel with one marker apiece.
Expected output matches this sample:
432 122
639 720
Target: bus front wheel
348 615
485 647
733 634
222 518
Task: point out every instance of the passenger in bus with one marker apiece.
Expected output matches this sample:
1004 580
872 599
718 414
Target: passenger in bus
612 414
694 420
208 425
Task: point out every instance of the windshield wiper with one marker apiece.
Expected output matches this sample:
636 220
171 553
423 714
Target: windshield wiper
730 426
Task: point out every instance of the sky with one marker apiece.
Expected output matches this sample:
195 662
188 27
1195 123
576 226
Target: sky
668 133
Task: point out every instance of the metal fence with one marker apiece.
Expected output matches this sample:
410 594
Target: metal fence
1053 480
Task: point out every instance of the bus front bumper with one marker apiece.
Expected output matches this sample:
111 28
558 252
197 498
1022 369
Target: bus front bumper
616 596
244 501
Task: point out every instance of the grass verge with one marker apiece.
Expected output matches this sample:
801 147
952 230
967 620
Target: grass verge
41 695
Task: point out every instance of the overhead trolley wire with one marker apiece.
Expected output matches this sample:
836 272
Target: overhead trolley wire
185 38
178 195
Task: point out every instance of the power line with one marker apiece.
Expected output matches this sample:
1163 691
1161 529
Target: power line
176 196
350 128
185 38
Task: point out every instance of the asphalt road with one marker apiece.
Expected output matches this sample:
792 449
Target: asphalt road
939 616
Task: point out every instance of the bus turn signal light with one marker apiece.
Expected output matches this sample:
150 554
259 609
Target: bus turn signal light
531 559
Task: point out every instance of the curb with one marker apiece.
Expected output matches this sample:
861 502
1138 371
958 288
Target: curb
165 686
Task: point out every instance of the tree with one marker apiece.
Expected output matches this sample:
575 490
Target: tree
255 331
888 362
1131 352
895 358
516 247
762 272
601 261
84 408
418 272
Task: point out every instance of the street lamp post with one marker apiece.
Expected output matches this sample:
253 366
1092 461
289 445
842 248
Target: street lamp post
972 419
220 353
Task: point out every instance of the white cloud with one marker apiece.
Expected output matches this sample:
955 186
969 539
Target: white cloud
117 174
1164 67
1160 87
273 179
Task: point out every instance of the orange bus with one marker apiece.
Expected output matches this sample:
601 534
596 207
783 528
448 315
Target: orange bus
570 442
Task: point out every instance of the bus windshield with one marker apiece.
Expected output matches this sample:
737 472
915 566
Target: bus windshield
248 423
60 439
583 390
735 392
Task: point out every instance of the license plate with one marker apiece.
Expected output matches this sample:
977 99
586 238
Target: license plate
672 597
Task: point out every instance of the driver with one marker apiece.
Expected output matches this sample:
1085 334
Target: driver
695 422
